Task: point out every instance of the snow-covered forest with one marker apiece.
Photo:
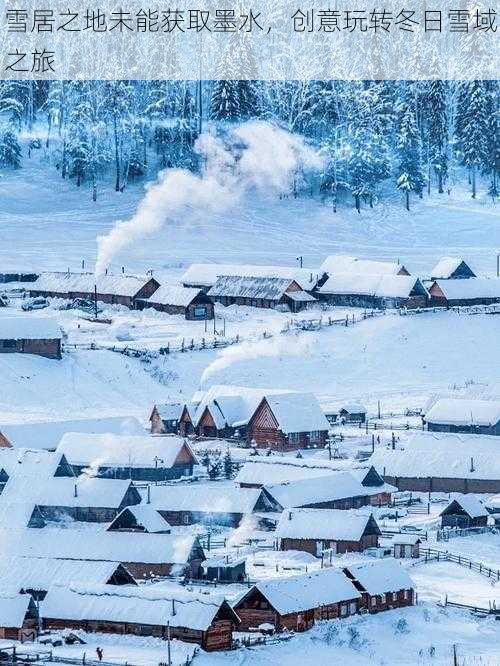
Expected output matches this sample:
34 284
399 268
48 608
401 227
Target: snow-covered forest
376 137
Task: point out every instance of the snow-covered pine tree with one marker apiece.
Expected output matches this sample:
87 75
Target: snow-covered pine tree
493 139
472 128
410 176
437 128
10 150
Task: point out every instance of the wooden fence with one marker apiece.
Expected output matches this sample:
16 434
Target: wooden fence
491 610
453 533
434 555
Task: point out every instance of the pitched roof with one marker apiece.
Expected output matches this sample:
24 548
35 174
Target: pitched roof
380 286
297 412
145 516
315 490
19 327
170 411
445 455
382 576
469 289
206 274
121 450
29 463
134 605
117 285
100 546
236 286
338 263
292 594
334 524
472 506
47 434
463 412
445 267
173 294
210 497
13 609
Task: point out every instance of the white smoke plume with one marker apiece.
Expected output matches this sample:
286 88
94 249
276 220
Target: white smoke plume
279 346
255 155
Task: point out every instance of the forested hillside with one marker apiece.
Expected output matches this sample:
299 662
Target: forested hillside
376 137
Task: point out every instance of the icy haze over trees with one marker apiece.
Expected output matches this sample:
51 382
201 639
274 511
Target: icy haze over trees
376 137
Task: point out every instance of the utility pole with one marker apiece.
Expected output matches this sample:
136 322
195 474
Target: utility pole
95 300
169 661
498 264
300 260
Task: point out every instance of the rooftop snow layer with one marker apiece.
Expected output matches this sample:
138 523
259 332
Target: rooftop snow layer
118 285
338 263
470 289
382 576
471 505
236 286
462 411
309 491
207 497
380 286
206 274
146 516
327 524
173 294
18 327
445 267
297 412
111 450
13 610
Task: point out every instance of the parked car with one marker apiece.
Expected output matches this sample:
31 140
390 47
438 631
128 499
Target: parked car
84 304
35 304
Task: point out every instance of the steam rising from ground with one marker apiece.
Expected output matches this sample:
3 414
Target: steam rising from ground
255 155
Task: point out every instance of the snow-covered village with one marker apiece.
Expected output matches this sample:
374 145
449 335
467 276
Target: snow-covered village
249 373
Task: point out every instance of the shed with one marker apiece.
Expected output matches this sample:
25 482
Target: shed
140 518
318 530
481 417
406 545
352 412
40 336
18 618
165 418
225 568
288 421
141 611
192 304
297 602
260 292
133 457
452 268
464 511
383 584
476 291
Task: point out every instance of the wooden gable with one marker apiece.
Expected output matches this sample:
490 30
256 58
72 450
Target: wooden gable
436 291
185 456
4 442
206 420
293 286
185 416
263 417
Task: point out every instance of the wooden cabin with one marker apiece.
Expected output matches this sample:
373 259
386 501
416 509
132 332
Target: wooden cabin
186 425
296 603
452 268
165 418
340 263
464 511
225 568
189 617
261 292
111 289
18 276
406 546
140 518
352 412
18 618
192 304
39 336
315 531
134 457
288 421
383 584
480 417
454 293
373 291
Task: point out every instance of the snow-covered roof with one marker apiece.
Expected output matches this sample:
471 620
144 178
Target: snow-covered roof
236 286
309 491
445 267
230 405
292 594
464 412
40 573
18 327
170 411
469 289
47 434
146 516
406 539
173 294
224 559
29 463
98 545
445 455
17 514
206 274
381 576
13 609
353 408
133 605
334 524
338 263
111 450
210 497
381 286
472 506
297 412
118 285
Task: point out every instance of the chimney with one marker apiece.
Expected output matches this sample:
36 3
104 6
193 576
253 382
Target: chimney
472 465
148 501
289 515
76 490
106 271
123 270
173 607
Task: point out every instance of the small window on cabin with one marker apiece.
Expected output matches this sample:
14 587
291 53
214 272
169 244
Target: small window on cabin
343 610
294 437
200 311
406 594
263 604
8 344
352 608
394 596
185 519
383 598
373 601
